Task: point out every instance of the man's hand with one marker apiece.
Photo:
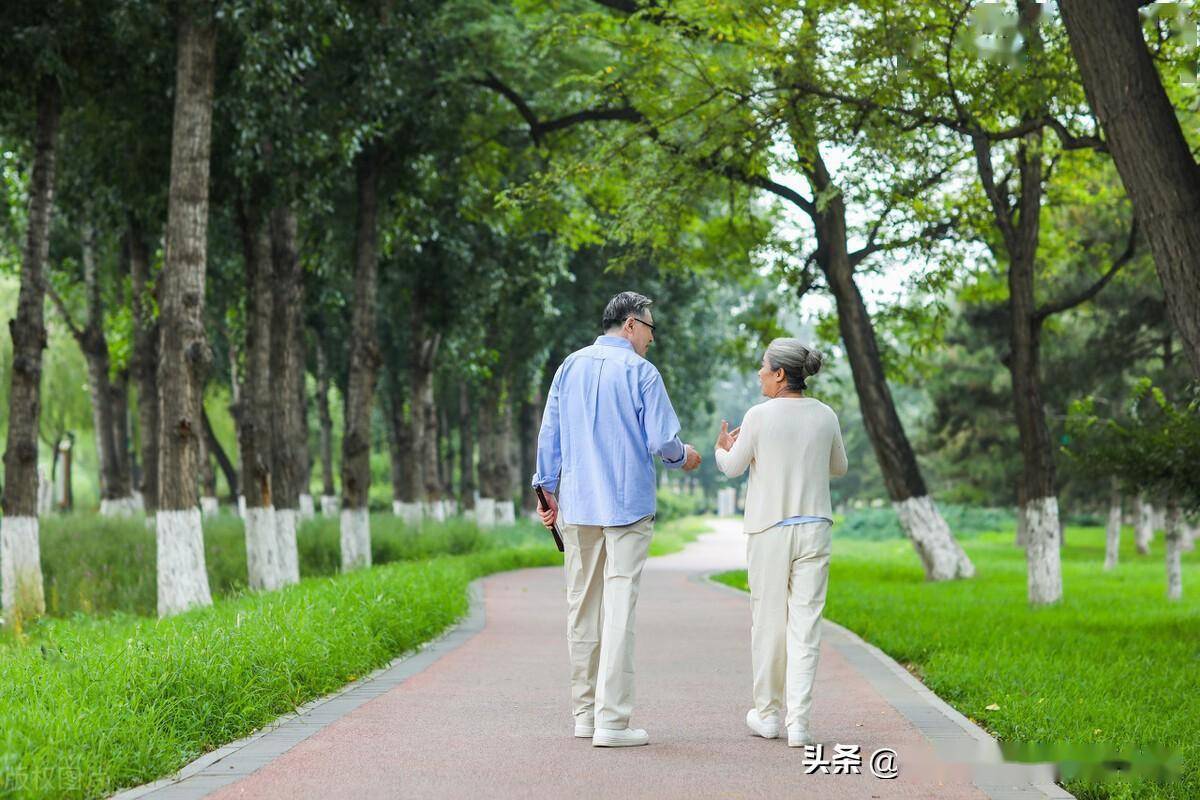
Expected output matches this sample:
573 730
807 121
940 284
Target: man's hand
726 438
548 515
691 459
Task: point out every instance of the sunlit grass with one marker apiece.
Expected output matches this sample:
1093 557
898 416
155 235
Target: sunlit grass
1115 664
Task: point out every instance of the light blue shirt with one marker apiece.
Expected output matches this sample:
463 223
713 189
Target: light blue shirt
800 520
607 415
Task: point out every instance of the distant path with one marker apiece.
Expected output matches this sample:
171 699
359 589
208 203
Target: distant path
488 716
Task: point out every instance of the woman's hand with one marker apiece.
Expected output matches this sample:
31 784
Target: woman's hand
726 437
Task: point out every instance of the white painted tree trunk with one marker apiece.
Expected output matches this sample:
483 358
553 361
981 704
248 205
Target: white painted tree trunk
242 506
434 510
329 505
1112 533
45 495
264 562
182 579
1173 539
120 506
451 507
410 513
485 512
1043 556
469 514
940 553
356 539
307 510
287 520
21 592
506 512
209 506
1144 531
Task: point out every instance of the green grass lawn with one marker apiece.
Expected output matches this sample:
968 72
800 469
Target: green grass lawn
671 537
1114 666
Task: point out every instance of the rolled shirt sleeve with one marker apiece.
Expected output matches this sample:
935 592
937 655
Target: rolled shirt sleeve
837 453
549 447
659 421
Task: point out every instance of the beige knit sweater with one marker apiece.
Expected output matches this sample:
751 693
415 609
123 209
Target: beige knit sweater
792 446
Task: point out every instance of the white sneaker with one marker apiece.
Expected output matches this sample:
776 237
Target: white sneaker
799 736
626 737
767 728
584 728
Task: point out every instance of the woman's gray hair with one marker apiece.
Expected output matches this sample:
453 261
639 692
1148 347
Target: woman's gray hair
797 360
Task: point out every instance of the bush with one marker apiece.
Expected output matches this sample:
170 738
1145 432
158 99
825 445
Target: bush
673 505
99 565
882 523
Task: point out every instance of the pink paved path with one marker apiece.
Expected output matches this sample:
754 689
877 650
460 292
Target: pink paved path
491 718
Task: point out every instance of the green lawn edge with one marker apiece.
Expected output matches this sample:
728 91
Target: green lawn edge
1113 669
89 706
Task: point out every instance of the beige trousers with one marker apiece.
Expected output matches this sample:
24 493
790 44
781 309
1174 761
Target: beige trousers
604 568
788 574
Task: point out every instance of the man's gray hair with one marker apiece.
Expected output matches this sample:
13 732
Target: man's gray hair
797 360
622 307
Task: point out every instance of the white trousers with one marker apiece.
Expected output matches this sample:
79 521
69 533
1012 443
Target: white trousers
603 568
788 574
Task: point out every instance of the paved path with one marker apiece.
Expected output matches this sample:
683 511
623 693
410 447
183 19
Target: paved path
485 713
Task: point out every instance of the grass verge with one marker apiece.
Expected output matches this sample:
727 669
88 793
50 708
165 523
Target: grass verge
89 705
1113 668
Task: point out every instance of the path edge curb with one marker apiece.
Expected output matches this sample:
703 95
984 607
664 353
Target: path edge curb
198 778
1047 789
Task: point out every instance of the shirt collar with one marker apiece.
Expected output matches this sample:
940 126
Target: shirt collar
615 341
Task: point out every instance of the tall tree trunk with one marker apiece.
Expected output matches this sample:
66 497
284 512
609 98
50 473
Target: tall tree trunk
1143 532
445 450
94 344
208 476
506 455
466 449
123 477
144 364
1038 490
21 591
940 554
485 509
364 364
264 562
425 421
406 467
328 490
184 355
1148 146
214 448
1112 533
1174 547
289 434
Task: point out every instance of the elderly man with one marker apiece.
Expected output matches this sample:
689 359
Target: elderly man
607 416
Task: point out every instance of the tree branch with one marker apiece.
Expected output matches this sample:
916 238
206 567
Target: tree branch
1070 302
76 331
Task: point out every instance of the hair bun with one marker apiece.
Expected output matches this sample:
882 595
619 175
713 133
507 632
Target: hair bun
812 364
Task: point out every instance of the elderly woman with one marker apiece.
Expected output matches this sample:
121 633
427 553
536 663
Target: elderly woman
792 444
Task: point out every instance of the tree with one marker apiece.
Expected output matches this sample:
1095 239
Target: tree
184 354
1147 144
20 555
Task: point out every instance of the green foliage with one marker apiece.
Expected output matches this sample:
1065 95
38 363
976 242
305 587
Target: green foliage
1075 673
1154 447
676 505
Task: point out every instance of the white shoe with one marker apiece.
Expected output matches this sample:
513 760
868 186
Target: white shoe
626 737
767 728
584 728
799 736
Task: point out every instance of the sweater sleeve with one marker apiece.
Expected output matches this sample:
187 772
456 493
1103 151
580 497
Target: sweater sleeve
837 452
734 462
